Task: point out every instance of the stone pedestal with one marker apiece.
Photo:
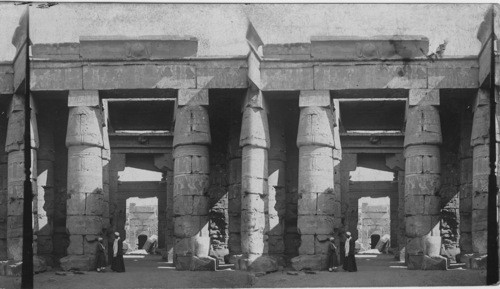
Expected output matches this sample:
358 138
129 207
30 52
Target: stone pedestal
85 203
480 171
191 178
14 147
318 206
254 140
422 177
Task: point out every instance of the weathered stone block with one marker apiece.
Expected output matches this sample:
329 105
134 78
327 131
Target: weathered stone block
479 262
307 244
321 224
418 225
223 77
254 131
414 262
298 77
479 241
319 98
252 203
315 127
191 184
75 262
84 225
328 204
191 205
252 242
434 263
425 184
75 245
310 262
13 269
189 226
252 221
423 97
263 264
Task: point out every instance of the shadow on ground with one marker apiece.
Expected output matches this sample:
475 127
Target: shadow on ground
151 272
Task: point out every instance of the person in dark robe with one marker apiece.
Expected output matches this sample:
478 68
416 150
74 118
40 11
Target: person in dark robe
342 238
118 265
333 261
350 259
100 256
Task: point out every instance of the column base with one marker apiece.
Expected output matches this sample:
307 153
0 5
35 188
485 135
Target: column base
41 263
310 262
425 262
195 263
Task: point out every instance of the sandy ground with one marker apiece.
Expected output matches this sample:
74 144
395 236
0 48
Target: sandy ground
152 272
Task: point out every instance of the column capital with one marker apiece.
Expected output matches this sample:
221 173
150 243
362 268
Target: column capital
319 98
423 97
83 98
192 97
254 99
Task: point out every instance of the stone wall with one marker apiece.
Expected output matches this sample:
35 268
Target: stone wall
140 219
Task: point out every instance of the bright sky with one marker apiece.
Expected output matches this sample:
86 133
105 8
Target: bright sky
365 174
221 28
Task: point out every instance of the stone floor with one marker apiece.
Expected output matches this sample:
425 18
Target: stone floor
151 272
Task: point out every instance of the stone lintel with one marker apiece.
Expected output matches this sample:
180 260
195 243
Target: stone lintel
288 51
192 97
132 48
83 98
378 47
319 98
59 51
423 97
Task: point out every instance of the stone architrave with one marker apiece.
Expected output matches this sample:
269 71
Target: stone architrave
234 189
85 203
45 182
422 177
480 172
318 207
255 143
275 201
191 178
14 147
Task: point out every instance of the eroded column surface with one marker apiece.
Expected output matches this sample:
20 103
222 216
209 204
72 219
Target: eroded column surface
14 147
422 180
85 203
275 202
318 207
234 188
191 180
106 157
255 143
45 182
480 172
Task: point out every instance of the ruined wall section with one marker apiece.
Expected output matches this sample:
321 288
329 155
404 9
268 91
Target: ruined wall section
3 184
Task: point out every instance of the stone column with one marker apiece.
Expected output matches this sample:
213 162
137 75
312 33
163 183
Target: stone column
275 202
422 180
318 207
3 189
480 173
170 238
337 158
165 164
116 164
396 162
14 147
348 163
465 195
191 180
255 143
234 189
85 203
106 157
45 182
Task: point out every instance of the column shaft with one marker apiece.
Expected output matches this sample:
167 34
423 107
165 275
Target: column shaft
3 189
85 203
465 195
191 180
480 172
422 178
318 205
